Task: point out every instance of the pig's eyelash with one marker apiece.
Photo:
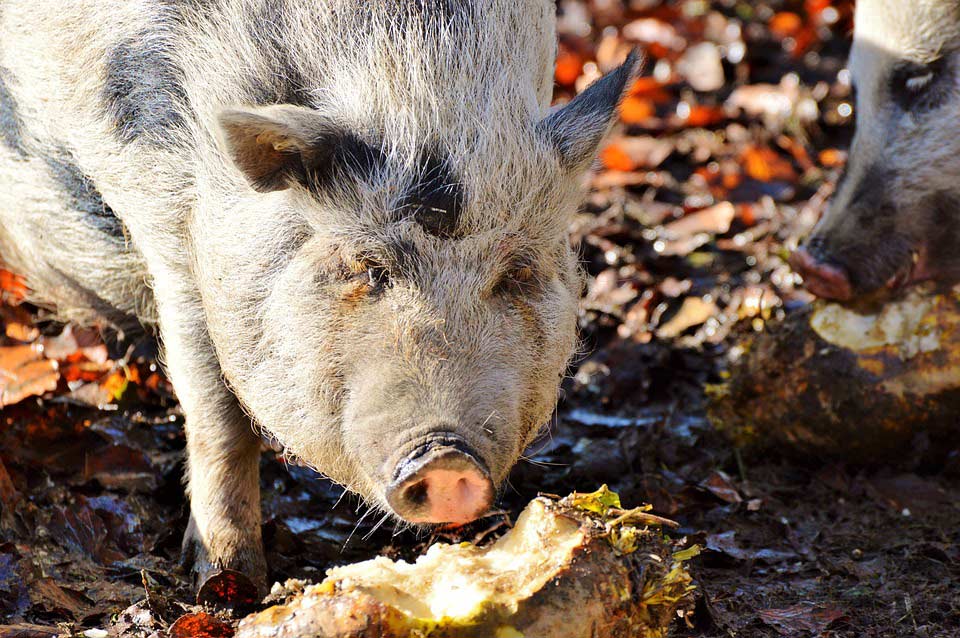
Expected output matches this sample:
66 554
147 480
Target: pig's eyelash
917 83
918 87
374 274
517 278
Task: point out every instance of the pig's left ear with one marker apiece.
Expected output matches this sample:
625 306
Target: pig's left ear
279 146
577 128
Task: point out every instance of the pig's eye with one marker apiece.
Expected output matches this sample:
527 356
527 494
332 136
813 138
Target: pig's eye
371 274
520 278
919 87
377 276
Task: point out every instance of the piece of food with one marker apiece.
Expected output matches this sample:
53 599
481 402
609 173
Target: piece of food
570 568
879 385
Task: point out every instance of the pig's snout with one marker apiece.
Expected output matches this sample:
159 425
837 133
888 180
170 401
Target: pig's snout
441 483
822 279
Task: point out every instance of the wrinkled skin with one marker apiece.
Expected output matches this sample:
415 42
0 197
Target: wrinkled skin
895 217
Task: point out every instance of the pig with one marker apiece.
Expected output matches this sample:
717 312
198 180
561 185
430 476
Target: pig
346 220
895 216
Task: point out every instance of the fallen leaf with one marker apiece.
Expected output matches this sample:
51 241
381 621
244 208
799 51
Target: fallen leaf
568 67
765 165
634 153
637 110
13 287
228 589
200 625
28 631
800 619
24 372
715 219
693 312
725 543
785 24
832 158
720 485
702 67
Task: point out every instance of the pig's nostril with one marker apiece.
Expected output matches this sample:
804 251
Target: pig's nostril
416 494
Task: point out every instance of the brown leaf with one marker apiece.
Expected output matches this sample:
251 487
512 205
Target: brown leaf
800 619
28 631
24 373
720 485
18 323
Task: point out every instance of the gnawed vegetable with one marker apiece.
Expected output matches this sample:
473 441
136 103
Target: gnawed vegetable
574 567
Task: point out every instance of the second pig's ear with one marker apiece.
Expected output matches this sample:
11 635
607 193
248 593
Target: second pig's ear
577 128
276 147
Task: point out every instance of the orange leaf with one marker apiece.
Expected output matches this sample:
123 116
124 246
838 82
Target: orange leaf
649 88
765 165
568 69
13 287
25 373
616 158
636 110
785 24
701 116
832 158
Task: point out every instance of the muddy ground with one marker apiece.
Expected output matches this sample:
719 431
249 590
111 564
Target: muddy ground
729 147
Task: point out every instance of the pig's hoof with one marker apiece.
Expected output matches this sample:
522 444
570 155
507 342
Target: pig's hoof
205 560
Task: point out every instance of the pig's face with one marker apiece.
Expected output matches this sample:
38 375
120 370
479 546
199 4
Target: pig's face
895 217
417 334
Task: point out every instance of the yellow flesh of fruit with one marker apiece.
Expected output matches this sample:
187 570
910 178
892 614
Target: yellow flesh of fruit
457 582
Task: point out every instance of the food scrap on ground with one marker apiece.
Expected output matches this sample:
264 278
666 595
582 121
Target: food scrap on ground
572 567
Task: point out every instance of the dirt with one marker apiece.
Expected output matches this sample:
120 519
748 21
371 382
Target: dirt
703 189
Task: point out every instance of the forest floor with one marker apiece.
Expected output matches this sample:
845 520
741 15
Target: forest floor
727 152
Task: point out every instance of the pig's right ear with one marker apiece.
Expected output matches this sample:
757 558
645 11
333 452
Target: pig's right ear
577 128
279 146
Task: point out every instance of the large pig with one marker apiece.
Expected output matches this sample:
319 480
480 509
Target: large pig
346 217
896 215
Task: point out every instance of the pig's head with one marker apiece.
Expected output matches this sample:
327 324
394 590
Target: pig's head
895 217
414 336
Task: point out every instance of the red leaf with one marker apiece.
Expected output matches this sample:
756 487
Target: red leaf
228 588
200 625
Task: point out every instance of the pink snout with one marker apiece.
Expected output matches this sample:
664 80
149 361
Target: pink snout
823 280
441 485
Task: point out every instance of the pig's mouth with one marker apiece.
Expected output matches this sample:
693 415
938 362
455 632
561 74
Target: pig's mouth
872 276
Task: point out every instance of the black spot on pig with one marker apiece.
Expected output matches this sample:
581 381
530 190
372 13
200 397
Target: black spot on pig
436 199
82 194
341 157
143 91
285 83
11 132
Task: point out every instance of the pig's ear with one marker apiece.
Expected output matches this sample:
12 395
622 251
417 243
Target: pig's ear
270 145
577 128
278 146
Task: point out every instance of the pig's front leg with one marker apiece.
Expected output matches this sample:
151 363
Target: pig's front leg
223 451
